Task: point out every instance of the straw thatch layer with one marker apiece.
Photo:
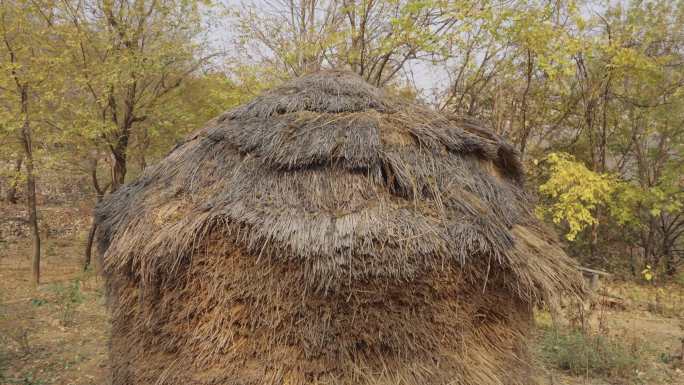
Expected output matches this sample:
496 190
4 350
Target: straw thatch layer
326 233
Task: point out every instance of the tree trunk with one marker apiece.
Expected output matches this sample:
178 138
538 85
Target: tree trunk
89 245
524 128
633 262
142 162
33 220
118 165
668 258
119 150
11 196
30 185
144 146
594 236
93 227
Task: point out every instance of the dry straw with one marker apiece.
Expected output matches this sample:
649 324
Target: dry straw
327 233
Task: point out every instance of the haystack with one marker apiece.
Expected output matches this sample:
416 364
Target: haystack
328 233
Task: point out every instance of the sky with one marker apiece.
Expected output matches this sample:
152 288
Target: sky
426 77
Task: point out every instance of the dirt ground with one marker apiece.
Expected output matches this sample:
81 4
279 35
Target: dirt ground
57 333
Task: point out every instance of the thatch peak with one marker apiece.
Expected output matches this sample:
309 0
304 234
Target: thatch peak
330 173
330 91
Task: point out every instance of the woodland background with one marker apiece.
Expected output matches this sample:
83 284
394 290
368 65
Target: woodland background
591 93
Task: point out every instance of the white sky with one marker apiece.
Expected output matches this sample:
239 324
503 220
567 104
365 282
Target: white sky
426 77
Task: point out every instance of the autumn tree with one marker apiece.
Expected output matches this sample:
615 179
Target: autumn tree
624 118
377 39
28 62
128 56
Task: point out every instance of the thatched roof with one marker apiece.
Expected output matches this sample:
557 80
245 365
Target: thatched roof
347 182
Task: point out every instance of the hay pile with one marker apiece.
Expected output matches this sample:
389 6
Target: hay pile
326 233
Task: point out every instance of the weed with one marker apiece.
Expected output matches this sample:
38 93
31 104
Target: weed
50 249
591 354
20 336
36 302
68 297
679 279
28 379
665 357
3 365
17 335
3 359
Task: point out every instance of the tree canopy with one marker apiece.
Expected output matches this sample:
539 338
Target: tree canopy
589 92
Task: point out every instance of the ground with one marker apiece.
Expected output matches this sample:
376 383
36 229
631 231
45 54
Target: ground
656 336
57 333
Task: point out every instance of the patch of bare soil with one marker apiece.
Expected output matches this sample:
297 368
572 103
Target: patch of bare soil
55 333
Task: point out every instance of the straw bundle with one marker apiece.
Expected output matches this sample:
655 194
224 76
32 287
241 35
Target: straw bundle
327 233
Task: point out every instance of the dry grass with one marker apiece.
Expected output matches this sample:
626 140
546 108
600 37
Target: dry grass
635 343
664 300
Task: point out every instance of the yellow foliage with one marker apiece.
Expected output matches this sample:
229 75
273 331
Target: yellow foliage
647 273
574 192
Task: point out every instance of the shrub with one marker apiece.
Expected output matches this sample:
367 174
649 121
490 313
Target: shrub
3 360
592 354
68 297
679 278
